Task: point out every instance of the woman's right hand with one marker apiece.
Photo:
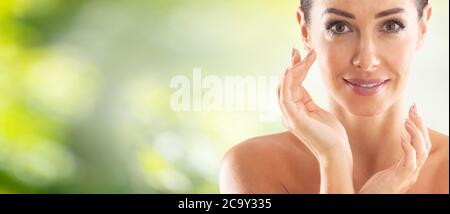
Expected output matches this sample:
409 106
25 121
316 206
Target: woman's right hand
318 129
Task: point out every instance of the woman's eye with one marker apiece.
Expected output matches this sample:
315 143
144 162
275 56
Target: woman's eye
393 27
338 28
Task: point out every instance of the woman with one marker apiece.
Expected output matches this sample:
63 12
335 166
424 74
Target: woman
364 143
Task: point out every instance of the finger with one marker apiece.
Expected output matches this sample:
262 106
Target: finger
409 159
401 162
296 58
287 106
281 84
415 176
398 163
299 93
278 90
284 122
282 88
306 99
417 141
301 69
415 117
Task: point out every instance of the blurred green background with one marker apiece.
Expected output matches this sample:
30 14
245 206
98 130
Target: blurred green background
84 89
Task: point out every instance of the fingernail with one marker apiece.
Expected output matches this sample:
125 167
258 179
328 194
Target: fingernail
293 52
415 108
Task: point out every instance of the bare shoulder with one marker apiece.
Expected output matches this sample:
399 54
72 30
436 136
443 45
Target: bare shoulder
439 143
260 165
439 157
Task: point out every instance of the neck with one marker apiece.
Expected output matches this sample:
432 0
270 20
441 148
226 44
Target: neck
375 141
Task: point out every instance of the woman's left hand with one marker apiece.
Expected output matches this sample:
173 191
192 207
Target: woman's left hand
401 176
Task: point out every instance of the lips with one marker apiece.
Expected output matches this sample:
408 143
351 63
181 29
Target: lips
366 87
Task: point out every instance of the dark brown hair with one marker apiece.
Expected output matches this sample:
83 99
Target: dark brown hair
306 6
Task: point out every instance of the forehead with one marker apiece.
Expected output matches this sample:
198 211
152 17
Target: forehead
364 8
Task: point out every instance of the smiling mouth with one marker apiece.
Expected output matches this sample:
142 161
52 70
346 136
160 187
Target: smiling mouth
366 87
370 83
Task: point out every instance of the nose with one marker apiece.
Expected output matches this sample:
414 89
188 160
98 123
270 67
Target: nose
366 58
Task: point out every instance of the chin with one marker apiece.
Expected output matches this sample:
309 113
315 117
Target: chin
365 109
366 112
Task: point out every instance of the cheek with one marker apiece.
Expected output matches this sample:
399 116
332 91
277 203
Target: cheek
334 59
397 55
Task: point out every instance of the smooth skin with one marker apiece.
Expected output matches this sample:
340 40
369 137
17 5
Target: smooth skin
362 144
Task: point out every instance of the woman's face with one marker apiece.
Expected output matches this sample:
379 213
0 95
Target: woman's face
364 50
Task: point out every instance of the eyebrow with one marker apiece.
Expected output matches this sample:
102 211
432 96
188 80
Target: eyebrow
351 16
339 13
389 12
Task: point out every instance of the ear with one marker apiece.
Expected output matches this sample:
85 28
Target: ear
304 28
423 25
